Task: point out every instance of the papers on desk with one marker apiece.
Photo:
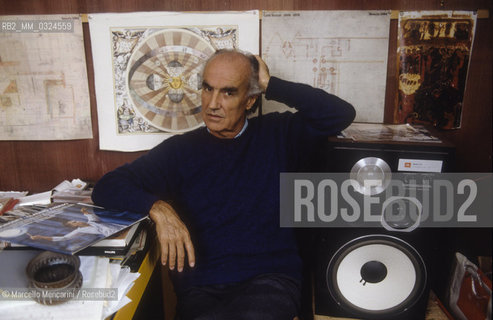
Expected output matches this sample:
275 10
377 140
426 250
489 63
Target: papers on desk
24 199
97 272
46 223
42 198
122 279
74 191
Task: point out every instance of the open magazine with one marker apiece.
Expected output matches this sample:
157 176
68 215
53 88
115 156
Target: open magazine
66 228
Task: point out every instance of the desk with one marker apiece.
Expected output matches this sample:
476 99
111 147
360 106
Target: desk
25 307
16 260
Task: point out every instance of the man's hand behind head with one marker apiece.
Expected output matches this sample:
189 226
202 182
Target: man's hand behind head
263 74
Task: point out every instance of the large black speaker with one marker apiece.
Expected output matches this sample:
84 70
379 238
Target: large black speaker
375 273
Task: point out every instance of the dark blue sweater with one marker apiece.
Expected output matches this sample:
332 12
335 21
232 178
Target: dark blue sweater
227 190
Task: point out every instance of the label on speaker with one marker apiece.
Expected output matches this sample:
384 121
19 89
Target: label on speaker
418 165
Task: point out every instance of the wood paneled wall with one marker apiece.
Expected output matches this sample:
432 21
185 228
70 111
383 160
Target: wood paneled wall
40 165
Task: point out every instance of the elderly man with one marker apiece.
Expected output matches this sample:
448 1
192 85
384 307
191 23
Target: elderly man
213 193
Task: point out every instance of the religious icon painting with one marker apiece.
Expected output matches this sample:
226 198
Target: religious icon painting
434 49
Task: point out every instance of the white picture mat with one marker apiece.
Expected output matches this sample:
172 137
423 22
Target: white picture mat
342 52
100 24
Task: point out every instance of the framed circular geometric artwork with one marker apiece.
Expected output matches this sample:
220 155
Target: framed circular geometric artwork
164 79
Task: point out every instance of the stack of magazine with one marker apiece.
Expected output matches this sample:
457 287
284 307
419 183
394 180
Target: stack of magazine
74 228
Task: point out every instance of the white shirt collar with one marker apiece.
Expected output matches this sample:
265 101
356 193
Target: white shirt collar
242 129
245 125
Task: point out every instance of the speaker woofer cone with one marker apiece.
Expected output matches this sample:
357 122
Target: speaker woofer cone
376 276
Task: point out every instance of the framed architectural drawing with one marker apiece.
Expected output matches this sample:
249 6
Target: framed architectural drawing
342 52
44 93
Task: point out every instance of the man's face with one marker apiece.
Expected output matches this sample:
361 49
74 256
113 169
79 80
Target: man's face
224 94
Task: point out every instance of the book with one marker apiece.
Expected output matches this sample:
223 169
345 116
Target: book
120 239
117 245
67 228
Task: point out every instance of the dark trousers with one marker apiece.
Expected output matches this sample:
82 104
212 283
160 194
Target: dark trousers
267 296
